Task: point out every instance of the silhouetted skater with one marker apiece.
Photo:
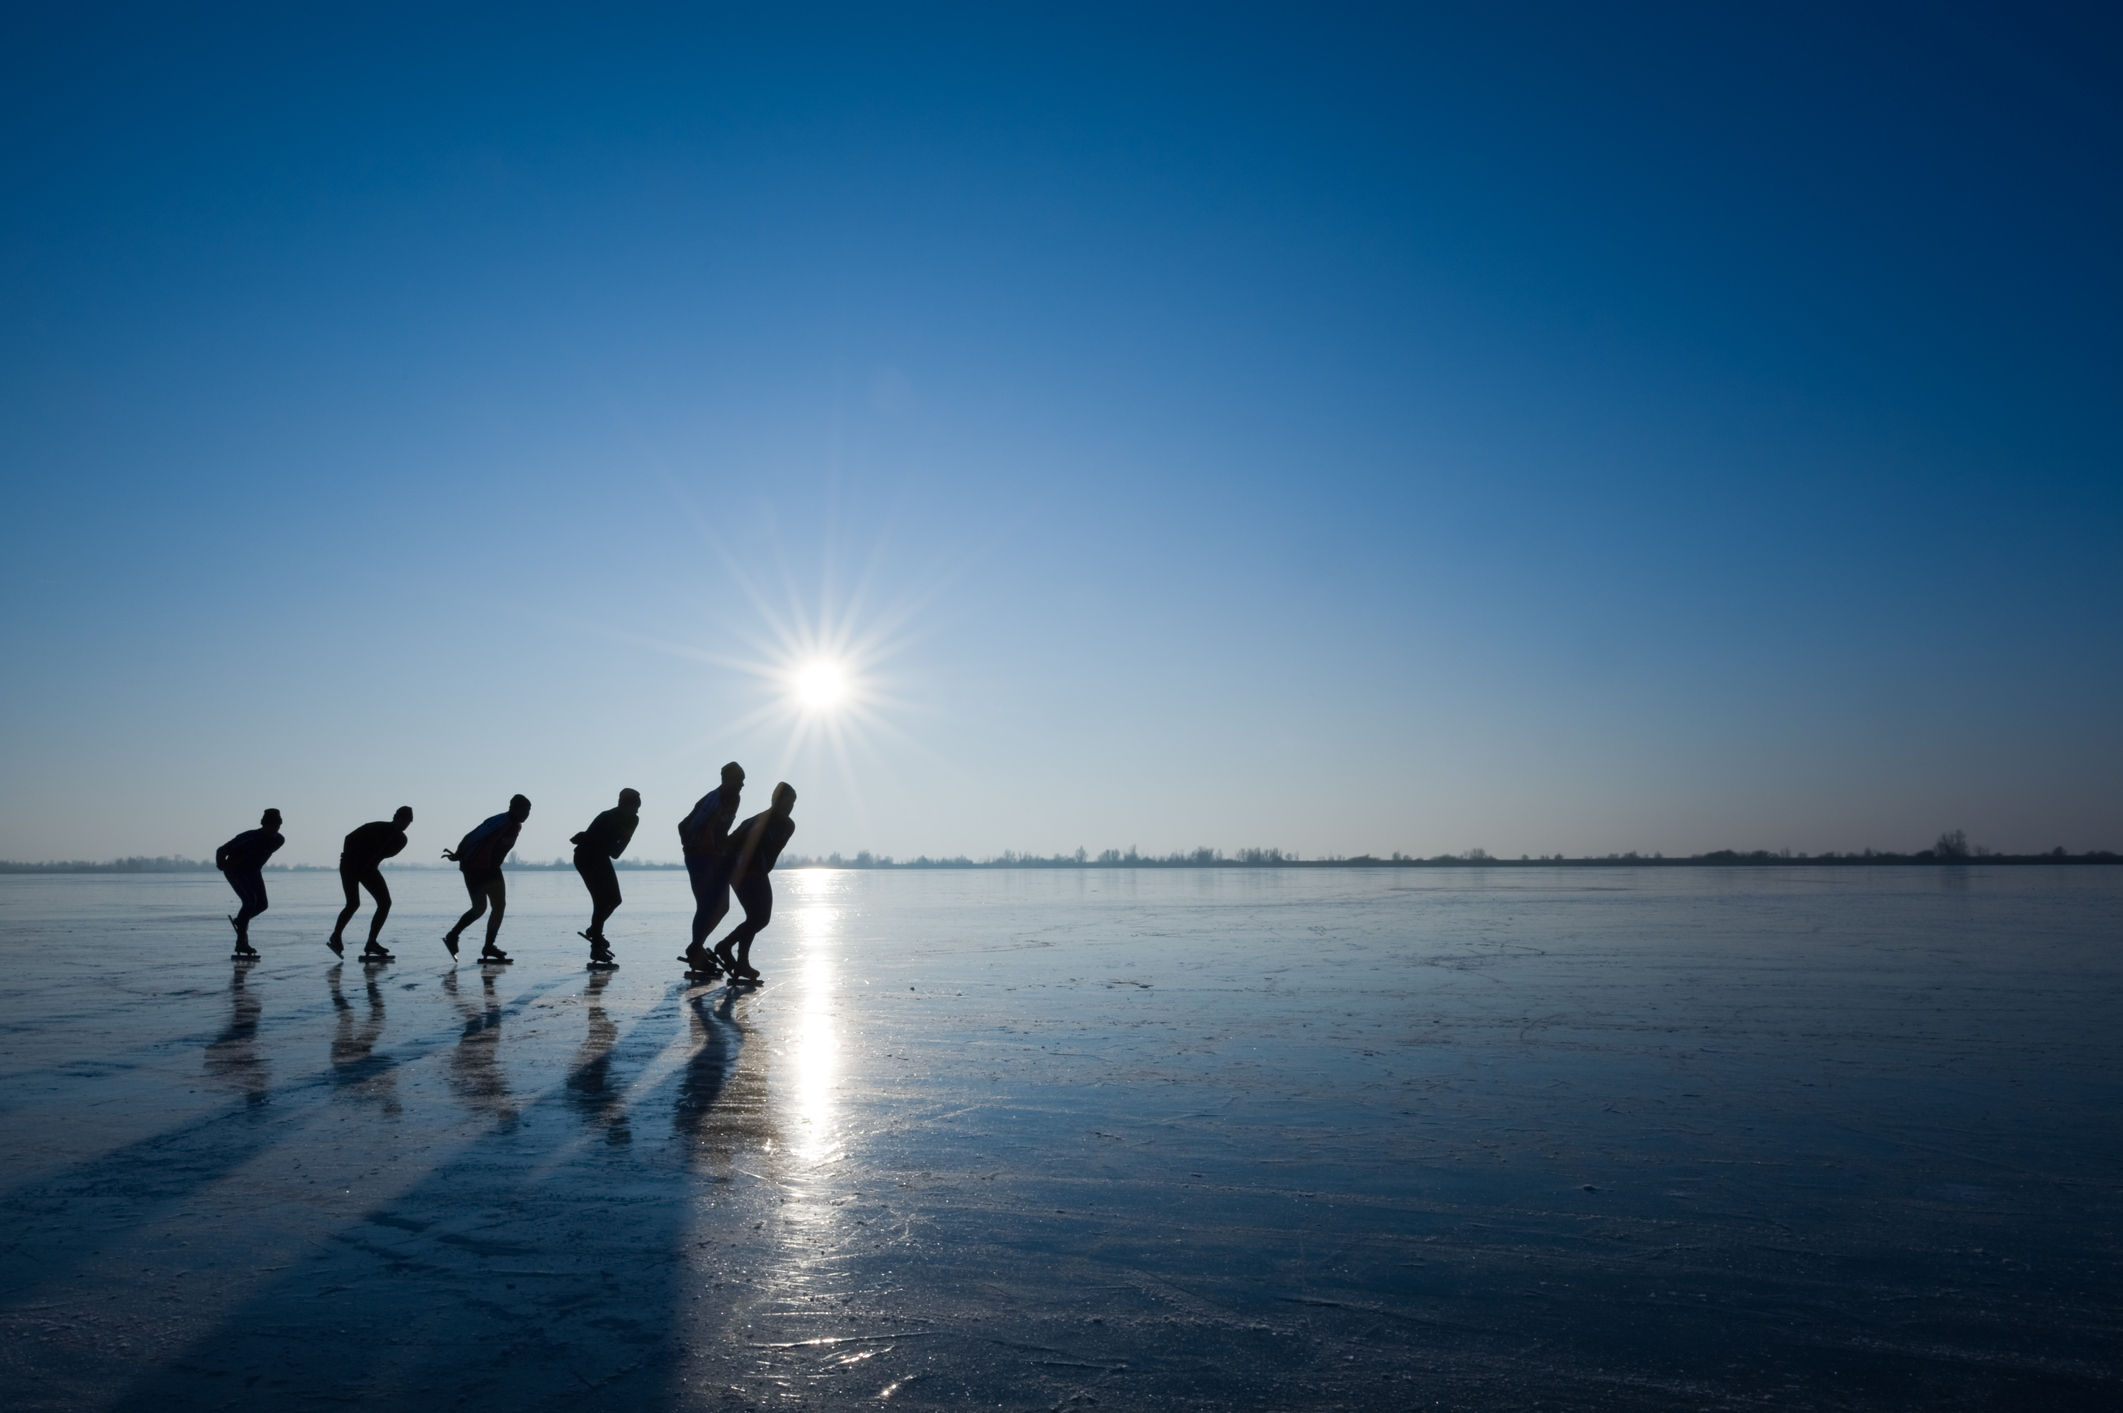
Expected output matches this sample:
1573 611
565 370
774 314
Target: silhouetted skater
359 856
757 844
595 848
242 861
480 854
703 836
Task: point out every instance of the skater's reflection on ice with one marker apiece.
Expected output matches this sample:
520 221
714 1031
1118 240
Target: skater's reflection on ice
232 1056
475 1065
357 1070
592 1090
722 1113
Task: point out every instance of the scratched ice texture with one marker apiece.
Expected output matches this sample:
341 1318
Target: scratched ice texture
1480 1139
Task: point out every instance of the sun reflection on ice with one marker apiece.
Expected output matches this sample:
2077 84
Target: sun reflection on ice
766 1249
813 1125
808 1105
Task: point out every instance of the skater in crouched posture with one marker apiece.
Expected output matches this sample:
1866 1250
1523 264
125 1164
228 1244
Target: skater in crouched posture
359 859
704 836
595 848
756 845
480 855
242 861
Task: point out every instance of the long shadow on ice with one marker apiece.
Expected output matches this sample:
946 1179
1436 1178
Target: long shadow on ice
62 1222
539 1266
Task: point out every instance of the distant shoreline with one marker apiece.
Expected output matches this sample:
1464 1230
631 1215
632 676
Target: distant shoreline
1723 858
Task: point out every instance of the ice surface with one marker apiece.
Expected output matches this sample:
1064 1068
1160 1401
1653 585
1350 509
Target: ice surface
1177 1139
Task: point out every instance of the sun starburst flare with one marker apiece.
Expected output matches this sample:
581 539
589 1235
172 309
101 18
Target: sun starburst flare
825 695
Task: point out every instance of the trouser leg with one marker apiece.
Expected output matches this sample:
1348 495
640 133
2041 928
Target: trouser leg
250 888
711 899
498 892
475 886
602 880
707 915
757 896
373 881
349 883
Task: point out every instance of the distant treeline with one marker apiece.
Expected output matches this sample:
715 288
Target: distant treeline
1277 858
1949 848
161 863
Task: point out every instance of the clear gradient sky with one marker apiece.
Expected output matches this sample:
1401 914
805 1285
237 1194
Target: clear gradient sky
1549 428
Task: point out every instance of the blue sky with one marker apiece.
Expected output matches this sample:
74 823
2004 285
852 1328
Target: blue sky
1541 428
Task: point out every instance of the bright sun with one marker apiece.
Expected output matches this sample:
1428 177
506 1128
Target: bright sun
820 686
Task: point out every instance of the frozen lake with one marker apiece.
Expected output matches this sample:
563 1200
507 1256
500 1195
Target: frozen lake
1647 1139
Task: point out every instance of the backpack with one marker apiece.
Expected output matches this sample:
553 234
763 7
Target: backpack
689 828
470 843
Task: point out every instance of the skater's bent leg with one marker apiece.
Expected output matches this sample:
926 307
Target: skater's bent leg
758 903
707 916
586 870
711 899
603 882
250 887
476 887
605 901
382 894
757 895
499 893
353 902
739 945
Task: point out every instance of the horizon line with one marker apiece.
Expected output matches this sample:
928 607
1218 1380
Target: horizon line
864 860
